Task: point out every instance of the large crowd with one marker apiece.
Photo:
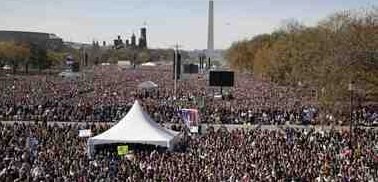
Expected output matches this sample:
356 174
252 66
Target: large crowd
105 93
42 152
49 149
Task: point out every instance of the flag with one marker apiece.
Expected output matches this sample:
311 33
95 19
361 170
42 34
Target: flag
190 118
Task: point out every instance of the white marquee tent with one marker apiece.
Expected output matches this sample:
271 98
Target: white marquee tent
135 127
147 85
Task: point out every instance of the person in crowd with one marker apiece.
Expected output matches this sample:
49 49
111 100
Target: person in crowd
52 152
105 94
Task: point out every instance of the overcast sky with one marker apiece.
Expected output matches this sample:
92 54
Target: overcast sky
168 21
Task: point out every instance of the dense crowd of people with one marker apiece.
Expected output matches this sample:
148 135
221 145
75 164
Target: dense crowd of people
105 93
42 152
46 149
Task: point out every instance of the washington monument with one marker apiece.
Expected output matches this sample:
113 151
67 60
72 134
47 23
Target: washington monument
210 34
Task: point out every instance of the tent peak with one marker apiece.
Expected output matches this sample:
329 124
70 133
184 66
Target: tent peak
137 105
136 127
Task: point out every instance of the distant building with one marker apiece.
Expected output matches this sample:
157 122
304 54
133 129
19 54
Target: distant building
77 45
133 40
127 43
143 38
118 43
45 40
132 43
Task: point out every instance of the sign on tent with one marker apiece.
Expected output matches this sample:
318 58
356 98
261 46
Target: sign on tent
123 149
191 119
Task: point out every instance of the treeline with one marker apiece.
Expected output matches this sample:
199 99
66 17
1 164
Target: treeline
139 56
339 52
28 55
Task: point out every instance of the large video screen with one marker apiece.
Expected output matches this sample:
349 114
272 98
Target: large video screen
222 78
191 68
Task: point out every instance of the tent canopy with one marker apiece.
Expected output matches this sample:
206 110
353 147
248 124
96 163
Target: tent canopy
149 64
135 127
147 85
69 74
124 64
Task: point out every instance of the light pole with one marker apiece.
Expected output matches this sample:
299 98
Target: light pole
176 52
350 88
175 81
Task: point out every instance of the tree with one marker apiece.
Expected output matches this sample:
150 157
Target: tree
39 57
143 57
15 54
291 26
327 57
55 58
24 55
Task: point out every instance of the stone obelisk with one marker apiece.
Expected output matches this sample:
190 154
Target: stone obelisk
210 33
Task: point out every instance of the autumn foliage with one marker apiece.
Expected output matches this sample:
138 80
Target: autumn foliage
339 50
18 54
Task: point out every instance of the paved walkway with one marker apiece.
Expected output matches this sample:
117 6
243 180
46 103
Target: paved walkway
204 126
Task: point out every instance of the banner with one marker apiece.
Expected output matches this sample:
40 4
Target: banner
32 144
85 133
191 119
123 149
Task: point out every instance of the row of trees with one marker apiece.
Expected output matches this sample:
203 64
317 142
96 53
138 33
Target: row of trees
27 55
139 56
22 55
13 54
112 55
340 50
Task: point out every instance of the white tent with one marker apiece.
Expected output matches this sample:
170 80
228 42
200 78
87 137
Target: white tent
124 64
105 64
147 85
69 74
149 64
135 127
7 67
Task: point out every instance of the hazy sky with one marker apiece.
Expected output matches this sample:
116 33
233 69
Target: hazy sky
168 21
